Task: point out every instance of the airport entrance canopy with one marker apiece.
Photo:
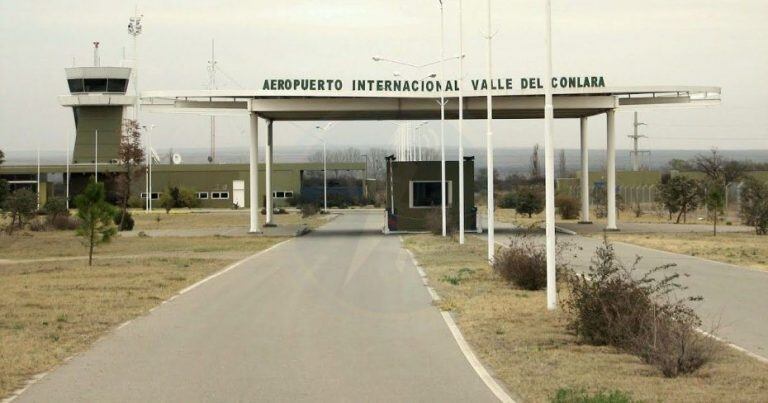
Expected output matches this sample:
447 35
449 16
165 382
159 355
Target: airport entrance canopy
375 100
388 105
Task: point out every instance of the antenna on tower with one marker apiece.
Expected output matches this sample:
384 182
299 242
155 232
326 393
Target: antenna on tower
212 86
635 153
96 54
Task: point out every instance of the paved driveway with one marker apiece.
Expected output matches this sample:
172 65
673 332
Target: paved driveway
337 315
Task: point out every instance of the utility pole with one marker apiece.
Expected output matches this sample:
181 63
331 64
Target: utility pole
635 153
212 86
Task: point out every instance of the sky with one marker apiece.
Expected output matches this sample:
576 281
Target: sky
630 43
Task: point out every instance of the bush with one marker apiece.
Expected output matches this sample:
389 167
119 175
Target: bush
567 206
754 205
308 210
55 207
509 200
523 264
38 225
128 221
65 223
530 201
581 396
21 205
135 202
612 305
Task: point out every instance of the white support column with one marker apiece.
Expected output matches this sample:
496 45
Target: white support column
584 174
268 174
611 168
549 163
254 174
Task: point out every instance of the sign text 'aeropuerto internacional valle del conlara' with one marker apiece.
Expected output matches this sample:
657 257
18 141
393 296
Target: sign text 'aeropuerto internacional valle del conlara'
389 85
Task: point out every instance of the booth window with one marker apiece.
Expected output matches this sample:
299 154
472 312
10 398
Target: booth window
427 194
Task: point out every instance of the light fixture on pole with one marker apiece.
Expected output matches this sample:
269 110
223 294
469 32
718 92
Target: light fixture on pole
134 29
549 161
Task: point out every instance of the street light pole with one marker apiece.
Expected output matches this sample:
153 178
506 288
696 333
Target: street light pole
325 179
134 29
549 161
442 116
461 128
489 149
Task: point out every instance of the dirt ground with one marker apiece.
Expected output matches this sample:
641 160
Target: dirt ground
529 349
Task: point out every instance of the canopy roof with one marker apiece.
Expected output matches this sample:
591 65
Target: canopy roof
379 105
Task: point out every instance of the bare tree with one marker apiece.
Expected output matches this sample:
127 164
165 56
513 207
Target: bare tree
718 168
535 167
130 156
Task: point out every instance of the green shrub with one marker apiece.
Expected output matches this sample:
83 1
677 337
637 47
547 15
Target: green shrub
461 275
308 210
508 200
55 207
754 205
567 206
127 221
530 201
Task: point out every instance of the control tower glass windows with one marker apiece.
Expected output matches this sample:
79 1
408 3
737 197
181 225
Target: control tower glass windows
95 85
75 85
117 85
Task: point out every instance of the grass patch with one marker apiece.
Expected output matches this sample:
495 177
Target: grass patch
739 248
567 395
530 350
192 219
50 310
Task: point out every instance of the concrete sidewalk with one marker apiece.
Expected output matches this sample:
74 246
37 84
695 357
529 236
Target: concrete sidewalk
337 315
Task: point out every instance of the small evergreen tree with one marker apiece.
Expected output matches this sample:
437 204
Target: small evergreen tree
21 205
55 207
714 199
530 201
96 217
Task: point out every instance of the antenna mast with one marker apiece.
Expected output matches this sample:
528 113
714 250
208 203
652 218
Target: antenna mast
212 86
635 153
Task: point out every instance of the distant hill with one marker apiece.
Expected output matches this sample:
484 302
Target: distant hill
507 160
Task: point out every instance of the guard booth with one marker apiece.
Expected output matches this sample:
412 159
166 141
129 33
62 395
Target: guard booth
413 195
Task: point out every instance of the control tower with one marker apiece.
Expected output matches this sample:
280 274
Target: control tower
98 101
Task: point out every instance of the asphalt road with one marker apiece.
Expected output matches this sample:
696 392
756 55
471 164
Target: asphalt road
735 298
337 315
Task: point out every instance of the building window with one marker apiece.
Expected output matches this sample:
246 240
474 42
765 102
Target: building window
282 194
202 195
426 194
75 85
155 195
116 85
95 85
219 195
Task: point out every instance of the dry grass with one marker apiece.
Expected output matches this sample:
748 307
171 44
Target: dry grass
187 219
530 351
50 310
739 248
626 216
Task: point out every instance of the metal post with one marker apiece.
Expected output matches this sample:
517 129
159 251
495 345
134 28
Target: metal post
96 156
268 174
325 177
254 173
38 174
461 128
148 161
611 168
489 145
549 162
68 157
443 194
152 154
584 173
